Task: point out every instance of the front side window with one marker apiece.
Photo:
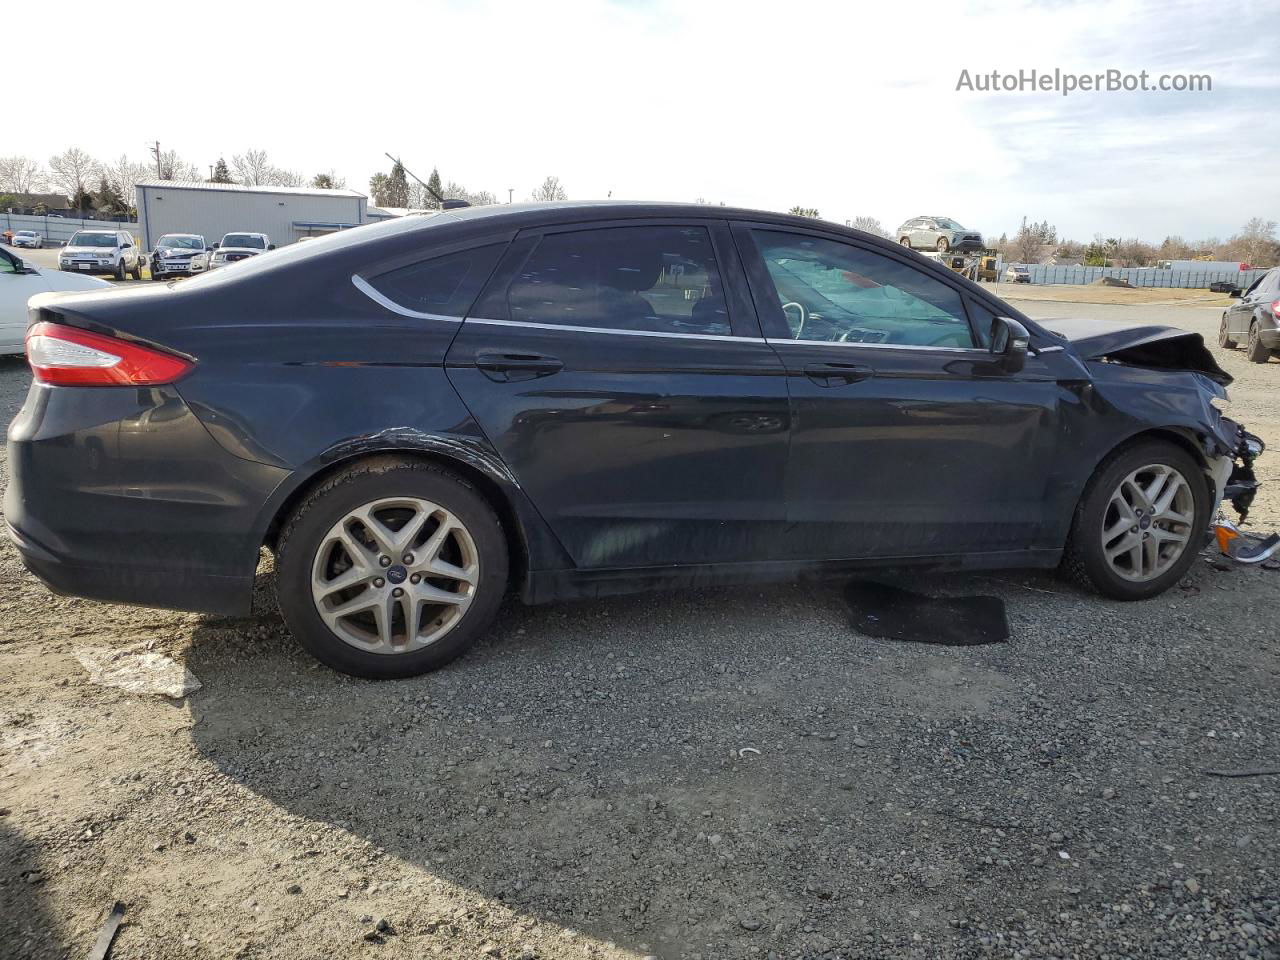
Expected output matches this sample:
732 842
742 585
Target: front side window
660 279
445 286
832 291
7 263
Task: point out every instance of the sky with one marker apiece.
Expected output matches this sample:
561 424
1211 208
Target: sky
849 108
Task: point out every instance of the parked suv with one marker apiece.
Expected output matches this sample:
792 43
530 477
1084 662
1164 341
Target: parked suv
239 246
179 255
938 233
102 251
1255 320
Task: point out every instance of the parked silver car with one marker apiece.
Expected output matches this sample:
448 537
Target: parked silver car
938 233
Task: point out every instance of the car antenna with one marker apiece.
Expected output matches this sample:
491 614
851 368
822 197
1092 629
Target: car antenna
444 204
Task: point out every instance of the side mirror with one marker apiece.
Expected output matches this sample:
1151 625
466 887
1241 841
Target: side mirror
1235 293
271 246
1010 343
213 246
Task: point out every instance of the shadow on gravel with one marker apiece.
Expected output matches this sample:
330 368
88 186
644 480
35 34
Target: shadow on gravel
588 765
27 928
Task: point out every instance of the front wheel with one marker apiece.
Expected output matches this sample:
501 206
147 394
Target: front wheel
1257 350
943 245
119 271
906 242
391 568
1140 522
1224 335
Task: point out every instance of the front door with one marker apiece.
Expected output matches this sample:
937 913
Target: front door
907 438
17 286
620 372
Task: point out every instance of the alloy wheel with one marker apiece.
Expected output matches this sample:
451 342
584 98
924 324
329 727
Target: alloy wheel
1148 522
395 575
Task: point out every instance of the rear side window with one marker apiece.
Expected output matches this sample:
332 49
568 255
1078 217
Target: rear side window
443 285
648 278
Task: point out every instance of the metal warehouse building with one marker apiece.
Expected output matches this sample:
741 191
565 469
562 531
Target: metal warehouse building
285 214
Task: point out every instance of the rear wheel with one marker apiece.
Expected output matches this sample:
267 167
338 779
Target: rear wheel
943 246
136 272
1224 336
1257 351
391 568
1140 523
906 242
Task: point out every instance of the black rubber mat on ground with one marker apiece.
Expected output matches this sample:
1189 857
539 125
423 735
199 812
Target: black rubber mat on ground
882 610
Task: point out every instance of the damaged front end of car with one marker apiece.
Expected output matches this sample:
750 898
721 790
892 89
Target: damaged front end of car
1228 450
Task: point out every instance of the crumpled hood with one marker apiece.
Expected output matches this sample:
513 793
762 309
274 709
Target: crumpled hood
1142 345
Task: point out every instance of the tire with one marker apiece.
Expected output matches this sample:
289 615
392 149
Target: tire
119 271
307 544
906 242
1085 560
136 272
942 246
1256 350
1224 339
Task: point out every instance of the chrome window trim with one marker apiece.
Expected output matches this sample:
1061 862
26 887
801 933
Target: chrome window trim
363 285
882 346
626 333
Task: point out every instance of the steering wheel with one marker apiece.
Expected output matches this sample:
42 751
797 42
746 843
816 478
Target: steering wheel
803 316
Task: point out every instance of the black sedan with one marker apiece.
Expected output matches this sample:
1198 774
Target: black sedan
588 399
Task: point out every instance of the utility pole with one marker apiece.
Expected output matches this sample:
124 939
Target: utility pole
155 151
510 191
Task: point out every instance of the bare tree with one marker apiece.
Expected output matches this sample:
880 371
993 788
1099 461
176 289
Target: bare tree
123 176
1032 239
810 212
173 167
869 225
456 191
551 189
72 171
252 168
1255 244
20 175
280 177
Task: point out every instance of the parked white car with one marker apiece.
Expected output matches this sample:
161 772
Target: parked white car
102 251
27 238
239 246
179 255
19 282
1017 273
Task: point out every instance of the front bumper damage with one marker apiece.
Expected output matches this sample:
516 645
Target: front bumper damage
1239 490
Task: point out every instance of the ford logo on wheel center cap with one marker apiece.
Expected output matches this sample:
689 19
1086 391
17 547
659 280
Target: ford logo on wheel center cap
397 574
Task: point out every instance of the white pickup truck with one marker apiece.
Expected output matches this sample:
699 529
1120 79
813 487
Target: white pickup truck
239 246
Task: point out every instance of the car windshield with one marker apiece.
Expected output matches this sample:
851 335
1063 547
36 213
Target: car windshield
25 233
244 240
83 239
182 242
946 224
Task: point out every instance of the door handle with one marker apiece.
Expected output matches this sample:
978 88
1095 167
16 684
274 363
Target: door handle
837 374
505 367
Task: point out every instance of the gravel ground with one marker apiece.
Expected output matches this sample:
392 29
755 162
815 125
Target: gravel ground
579 786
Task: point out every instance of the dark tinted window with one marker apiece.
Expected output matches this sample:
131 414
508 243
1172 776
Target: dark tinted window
834 291
656 278
445 285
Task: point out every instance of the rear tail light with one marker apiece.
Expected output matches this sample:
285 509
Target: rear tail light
70 357
1275 309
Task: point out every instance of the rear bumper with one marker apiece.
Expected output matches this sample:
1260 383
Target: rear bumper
1269 337
132 583
122 495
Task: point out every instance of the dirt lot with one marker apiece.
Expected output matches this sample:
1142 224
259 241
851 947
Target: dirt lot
578 786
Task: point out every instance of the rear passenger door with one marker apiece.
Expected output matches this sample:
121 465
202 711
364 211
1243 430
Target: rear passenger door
620 372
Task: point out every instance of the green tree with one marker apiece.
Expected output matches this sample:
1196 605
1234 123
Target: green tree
220 172
434 190
810 212
82 201
378 187
328 180
107 199
397 187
